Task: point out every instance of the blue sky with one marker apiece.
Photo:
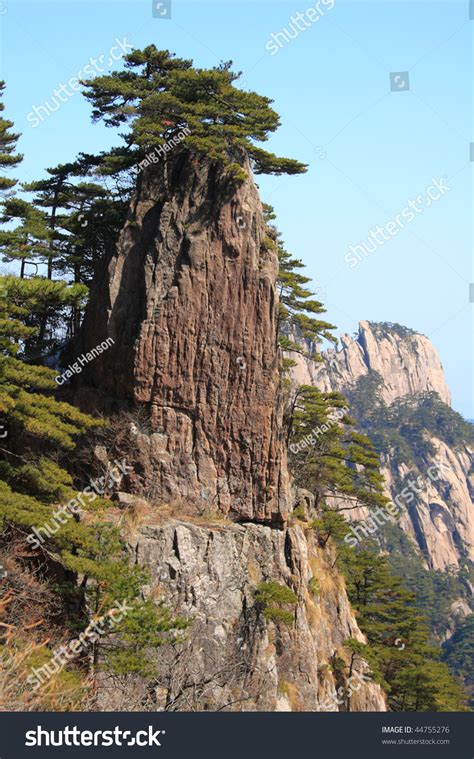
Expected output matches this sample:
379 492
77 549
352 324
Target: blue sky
370 150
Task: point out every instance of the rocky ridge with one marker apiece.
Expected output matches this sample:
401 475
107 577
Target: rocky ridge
441 522
407 362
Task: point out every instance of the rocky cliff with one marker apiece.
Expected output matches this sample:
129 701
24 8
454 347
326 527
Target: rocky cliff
190 302
407 362
439 519
234 658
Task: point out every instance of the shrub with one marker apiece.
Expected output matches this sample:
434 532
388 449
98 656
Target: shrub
273 598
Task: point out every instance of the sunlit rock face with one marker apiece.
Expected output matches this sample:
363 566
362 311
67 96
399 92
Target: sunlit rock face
233 658
190 301
440 518
407 362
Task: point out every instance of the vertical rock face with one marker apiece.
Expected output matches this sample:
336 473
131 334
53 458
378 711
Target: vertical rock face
189 300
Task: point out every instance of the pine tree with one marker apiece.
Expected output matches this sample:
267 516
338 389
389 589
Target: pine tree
32 302
8 141
29 241
26 392
328 457
296 308
458 653
52 194
83 219
33 485
296 303
160 95
398 642
92 226
38 433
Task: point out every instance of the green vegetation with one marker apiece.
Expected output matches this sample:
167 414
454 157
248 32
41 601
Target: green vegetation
58 239
59 232
330 524
398 638
8 141
402 427
82 219
435 595
340 466
273 599
84 567
68 230
159 95
388 612
458 653
33 481
384 329
297 307
401 650
435 590
328 457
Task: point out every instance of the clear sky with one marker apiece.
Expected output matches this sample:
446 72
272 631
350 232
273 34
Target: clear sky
371 150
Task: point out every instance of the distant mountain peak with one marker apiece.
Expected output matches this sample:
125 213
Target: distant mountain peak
407 362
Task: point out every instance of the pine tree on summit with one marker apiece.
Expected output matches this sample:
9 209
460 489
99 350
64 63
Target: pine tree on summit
159 95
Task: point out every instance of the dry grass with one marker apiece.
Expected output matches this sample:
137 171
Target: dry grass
291 692
20 651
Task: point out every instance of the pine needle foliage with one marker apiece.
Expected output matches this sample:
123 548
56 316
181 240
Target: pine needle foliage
159 95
